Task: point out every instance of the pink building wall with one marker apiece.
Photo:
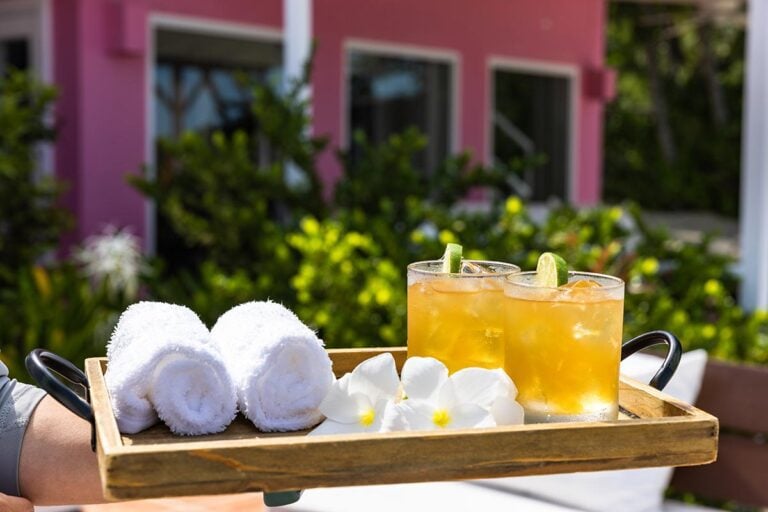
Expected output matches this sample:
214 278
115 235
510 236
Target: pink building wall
100 67
101 62
547 31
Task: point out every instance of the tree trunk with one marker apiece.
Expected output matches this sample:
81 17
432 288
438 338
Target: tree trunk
709 67
659 102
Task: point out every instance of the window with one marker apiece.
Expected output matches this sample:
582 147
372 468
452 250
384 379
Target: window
14 54
389 94
531 123
24 37
197 86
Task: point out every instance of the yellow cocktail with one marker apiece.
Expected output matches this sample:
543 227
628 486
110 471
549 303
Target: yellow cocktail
458 318
564 346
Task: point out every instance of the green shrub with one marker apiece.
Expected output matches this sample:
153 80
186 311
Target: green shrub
343 269
31 222
346 287
673 133
67 306
209 291
227 217
55 308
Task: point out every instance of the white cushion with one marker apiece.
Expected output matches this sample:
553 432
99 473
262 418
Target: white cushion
632 490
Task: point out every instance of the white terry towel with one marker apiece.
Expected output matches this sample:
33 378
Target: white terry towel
160 363
280 368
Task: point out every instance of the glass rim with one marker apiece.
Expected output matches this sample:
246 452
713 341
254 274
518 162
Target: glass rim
617 281
513 269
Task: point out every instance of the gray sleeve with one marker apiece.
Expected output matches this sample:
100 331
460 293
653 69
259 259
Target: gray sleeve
3 370
17 403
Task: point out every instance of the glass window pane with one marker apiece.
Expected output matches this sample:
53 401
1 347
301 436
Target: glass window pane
390 94
198 80
164 80
14 54
531 122
191 81
226 85
201 115
163 120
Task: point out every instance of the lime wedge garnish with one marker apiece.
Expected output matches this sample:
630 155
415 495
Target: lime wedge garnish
452 258
551 270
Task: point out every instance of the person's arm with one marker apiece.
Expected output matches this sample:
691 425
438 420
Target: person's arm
57 466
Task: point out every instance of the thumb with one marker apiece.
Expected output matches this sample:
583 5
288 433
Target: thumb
13 504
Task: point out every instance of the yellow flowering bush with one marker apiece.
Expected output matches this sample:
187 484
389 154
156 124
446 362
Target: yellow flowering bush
346 287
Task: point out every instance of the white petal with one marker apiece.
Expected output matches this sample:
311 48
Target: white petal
344 407
376 378
506 411
380 409
418 414
447 395
470 416
507 383
479 386
393 418
422 377
334 427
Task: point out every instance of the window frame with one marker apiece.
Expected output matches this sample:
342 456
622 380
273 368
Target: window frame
572 74
386 49
30 19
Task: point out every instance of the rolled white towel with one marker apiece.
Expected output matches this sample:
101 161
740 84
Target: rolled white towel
280 368
160 363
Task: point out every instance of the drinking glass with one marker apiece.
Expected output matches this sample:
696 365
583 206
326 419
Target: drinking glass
564 346
457 318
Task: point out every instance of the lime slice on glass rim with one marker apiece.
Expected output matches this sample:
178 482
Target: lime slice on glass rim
452 258
551 270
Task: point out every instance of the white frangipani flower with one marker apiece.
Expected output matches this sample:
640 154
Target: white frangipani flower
473 397
364 400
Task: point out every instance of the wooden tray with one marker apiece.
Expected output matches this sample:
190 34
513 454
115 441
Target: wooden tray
654 430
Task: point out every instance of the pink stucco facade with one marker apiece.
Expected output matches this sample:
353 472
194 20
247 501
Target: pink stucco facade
102 53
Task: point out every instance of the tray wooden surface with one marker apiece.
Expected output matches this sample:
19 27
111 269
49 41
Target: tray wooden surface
653 430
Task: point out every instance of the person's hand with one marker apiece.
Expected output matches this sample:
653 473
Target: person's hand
11 504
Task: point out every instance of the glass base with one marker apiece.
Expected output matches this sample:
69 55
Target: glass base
603 412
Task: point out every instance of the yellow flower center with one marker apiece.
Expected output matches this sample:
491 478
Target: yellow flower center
441 418
366 419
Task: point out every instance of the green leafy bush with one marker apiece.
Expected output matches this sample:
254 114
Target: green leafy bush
673 132
210 290
346 286
343 269
226 217
59 305
55 308
31 222
247 233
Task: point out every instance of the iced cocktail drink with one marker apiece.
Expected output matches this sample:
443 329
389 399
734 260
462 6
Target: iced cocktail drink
458 317
564 346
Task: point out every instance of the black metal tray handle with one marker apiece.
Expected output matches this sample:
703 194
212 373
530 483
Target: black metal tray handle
39 364
671 361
